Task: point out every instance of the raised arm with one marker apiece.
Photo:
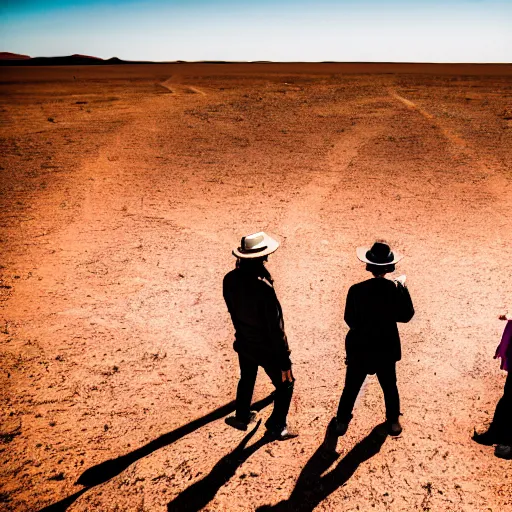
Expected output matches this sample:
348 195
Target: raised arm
404 307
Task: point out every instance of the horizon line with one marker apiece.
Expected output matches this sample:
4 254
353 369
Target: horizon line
24 57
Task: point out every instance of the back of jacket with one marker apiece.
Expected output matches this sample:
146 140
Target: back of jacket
372 310
257 317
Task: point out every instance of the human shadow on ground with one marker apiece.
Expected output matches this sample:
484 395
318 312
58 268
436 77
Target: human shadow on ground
104 471
200 493
311 487
62 505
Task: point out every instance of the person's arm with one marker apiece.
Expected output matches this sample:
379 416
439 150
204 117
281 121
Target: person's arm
504 349
509 354
405 308
225 293
350 309
275 325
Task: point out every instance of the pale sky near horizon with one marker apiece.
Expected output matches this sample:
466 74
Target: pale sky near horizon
278 30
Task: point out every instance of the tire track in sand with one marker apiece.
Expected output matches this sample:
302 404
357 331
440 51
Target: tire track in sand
491 169
452 137
174 86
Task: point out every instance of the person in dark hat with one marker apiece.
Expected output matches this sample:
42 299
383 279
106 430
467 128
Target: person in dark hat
260 338
372 310
500 430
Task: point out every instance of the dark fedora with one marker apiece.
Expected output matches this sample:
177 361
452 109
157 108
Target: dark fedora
379 254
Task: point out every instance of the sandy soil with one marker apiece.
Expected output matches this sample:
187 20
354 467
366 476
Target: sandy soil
123 191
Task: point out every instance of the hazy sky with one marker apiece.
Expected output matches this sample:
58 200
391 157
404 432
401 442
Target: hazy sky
280 30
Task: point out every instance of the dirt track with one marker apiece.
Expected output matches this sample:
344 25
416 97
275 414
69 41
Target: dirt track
123 191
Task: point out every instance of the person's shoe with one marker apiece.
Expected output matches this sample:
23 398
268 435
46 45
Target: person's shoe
340 427
503 451
486 438
234 422
394 428
281 435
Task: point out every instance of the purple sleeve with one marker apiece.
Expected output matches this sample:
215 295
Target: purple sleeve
507 339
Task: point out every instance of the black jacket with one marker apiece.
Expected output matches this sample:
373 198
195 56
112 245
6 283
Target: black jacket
257 317
372 310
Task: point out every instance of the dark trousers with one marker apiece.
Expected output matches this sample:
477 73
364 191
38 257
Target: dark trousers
354 378
282 397
501 425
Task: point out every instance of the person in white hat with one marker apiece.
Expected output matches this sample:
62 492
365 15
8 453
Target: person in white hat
372 345
260 339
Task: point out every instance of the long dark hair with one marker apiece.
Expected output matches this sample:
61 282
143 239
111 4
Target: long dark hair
254 266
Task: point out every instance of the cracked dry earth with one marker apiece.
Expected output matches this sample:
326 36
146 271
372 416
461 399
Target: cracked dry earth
123 190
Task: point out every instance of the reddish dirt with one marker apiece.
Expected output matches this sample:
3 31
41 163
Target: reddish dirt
123 191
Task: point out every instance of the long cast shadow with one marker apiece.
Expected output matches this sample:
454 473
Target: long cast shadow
62 505
312 488
104 471
199 494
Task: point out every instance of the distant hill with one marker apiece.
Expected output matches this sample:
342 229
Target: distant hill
68 60
13 56
79 56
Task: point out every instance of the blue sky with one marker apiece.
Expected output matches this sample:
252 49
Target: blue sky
279 30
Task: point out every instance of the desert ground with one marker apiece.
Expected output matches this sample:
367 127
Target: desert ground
123 191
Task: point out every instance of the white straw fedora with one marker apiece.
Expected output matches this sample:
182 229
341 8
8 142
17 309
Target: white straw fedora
256 245
378 254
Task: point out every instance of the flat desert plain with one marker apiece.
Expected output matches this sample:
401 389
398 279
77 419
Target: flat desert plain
123 191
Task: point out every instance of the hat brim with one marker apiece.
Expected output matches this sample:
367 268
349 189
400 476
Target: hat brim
361 254
271 246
